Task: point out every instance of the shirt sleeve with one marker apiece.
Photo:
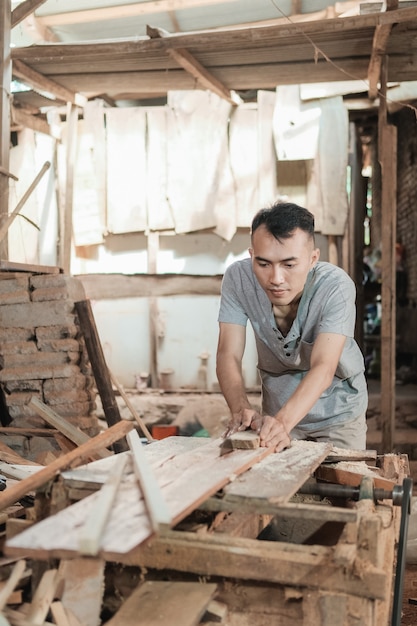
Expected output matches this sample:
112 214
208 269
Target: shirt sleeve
231 309
339 311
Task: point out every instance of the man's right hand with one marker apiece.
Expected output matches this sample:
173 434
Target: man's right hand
242 420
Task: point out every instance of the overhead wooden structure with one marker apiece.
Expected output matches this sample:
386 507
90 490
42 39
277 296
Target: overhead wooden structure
233 59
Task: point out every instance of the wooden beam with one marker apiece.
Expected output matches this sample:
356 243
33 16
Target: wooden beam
5 95
190 64
24 9
74 458
387 154
379 48
125 10
26 120
268 35
99 366
251 559
40 82
65 216
113 286
10 218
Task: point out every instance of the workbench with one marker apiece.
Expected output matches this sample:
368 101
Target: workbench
337 569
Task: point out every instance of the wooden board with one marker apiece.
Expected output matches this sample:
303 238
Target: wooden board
279 476
83 588
186 479
159 603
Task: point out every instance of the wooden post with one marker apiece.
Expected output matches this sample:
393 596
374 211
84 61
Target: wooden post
99 366
388 160
66 215
5 82
153 247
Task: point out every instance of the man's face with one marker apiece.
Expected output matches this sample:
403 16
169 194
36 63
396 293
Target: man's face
282 267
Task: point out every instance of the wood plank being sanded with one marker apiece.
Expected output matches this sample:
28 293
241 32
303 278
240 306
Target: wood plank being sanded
241 440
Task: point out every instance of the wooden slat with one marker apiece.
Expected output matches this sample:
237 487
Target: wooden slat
11 583
76 457
70 431
280 476
158 603
186 480
158 511
92 530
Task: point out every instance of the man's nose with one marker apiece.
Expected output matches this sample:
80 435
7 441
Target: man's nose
277 275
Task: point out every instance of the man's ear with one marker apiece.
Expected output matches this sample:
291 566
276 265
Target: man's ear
315 256
250 250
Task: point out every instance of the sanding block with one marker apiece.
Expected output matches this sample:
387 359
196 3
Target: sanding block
241 440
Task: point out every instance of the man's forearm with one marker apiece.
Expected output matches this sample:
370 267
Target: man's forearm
231 383
303 399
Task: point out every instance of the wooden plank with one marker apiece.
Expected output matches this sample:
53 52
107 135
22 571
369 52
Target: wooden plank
186 480
82 597
194 147
42 598
156 506
279 476
341 454
15 576
244 440
131 408
351 474
158 603
76 457
9 455
99 367
72 433
91 531
11 266
126 170
388 159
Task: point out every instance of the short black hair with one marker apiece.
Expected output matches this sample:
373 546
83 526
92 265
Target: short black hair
282 218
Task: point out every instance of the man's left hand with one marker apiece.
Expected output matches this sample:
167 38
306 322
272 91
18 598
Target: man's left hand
273 434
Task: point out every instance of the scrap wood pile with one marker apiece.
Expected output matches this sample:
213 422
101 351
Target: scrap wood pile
89 507
97 500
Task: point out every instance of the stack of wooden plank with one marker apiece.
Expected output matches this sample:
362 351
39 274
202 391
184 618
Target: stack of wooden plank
187 521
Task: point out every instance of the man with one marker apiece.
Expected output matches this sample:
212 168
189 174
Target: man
303 315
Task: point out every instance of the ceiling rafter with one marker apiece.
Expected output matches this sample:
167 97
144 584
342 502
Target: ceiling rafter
39 81
25 9
379 48
185 59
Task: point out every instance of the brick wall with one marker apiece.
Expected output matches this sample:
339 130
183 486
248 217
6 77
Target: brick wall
42 354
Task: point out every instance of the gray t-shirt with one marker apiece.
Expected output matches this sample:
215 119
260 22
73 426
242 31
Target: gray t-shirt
326 306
